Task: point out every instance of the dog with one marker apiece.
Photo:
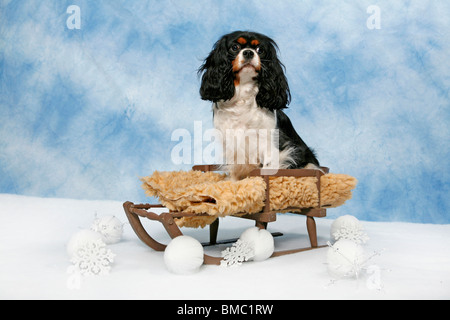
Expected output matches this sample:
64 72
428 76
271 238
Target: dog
245 80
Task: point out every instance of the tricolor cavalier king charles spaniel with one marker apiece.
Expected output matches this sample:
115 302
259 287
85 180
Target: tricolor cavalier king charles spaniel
245 80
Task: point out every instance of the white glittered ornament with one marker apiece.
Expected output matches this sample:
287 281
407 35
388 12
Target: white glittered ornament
345 259
348 227
80 239
183 255
109 227
261 241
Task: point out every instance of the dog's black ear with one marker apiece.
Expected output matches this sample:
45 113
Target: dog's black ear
274 90
217 79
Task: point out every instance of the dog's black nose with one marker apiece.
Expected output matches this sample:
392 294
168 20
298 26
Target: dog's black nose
248 54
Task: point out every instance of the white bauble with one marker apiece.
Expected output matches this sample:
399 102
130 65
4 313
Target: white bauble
346 221
80 239
345 258
261 241
109 227
348 227
183 255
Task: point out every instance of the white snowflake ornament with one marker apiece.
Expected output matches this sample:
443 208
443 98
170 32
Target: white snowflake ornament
93 258
350 228
234 256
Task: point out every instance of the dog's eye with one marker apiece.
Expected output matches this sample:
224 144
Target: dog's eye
259 50
235 47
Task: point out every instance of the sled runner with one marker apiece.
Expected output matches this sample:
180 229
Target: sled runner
175 217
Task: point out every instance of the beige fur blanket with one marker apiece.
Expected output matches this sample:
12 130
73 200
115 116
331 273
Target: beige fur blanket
214 194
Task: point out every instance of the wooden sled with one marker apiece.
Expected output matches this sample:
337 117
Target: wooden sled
136 211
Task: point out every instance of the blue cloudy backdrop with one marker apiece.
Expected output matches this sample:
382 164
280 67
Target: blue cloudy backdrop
86 112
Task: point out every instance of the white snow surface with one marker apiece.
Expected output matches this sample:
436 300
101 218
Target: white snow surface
413 260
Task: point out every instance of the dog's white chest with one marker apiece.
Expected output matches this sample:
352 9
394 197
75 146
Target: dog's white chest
242 112
247 132
243 115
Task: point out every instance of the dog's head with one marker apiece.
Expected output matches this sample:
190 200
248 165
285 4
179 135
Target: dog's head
245 53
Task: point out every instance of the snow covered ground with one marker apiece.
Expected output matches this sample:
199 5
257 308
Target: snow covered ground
413 260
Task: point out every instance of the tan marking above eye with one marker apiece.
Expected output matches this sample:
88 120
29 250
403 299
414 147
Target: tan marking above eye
241 40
